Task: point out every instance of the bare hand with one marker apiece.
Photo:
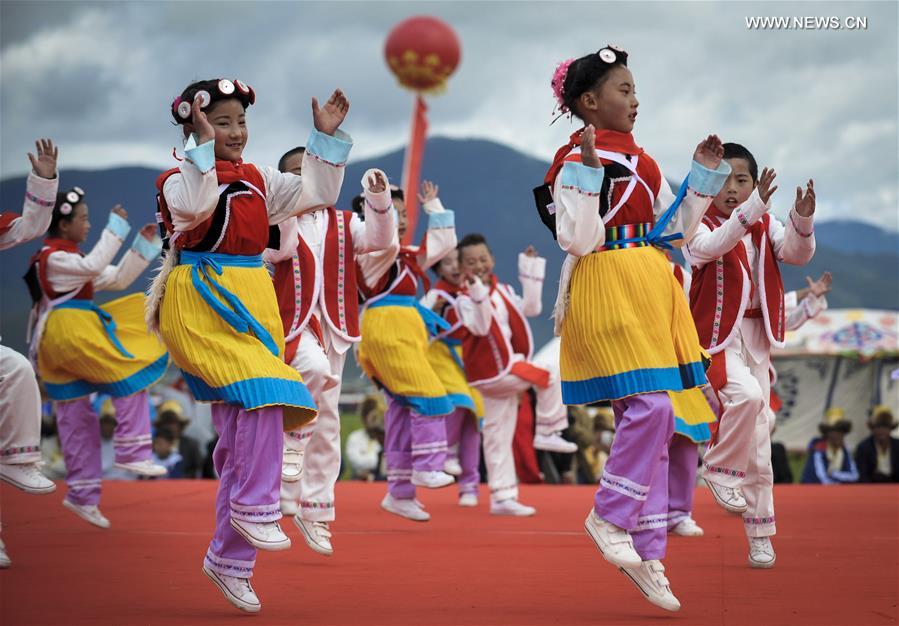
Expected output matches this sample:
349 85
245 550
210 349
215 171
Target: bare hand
120 211
588 147
148 231
428 192
205 131
327 119
44 164
709 152
377 183
765 189
531 251
821 286
805 204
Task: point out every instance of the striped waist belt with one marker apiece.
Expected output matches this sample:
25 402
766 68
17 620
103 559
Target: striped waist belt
626 236
105 319
229 307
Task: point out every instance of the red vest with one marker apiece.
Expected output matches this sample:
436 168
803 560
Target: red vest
722 290
6 220
51 245
299 285
490 357
239 224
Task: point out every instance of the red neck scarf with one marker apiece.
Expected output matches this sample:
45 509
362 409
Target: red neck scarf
609 140
448 287
409 256
66 245
230 171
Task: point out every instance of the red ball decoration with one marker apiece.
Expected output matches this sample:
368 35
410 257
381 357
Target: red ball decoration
422 52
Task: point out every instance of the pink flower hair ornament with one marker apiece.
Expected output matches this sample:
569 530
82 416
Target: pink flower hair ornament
558 83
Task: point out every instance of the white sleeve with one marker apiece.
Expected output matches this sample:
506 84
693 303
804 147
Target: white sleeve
579 227
475 310
288 195
705 245
704 184
440 239
67 270
531 271
795 243
808 308
37 211
378 231
135 261
289 231
192 195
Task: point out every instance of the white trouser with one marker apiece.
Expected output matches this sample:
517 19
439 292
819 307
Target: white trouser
319 439
20 409
740 453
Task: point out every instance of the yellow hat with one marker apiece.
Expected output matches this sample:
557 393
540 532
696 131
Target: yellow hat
172 406
107 409
835 419
882 416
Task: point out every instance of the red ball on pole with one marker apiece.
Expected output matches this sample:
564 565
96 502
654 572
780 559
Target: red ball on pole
422 52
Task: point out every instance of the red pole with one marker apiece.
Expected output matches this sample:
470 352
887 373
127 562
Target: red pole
412 164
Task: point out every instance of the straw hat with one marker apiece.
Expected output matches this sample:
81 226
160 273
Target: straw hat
174 407
835 419
882 417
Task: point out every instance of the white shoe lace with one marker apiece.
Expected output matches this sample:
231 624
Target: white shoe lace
760 546
32 472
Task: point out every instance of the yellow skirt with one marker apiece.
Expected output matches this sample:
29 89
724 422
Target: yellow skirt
77 356
692 414
628 329
394 354
446 361
221 364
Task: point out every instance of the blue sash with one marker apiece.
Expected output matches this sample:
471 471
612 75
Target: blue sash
433 322
106 320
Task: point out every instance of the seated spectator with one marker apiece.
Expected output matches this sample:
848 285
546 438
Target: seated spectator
780 463
877 456
594 438
165 452
829 462
364 446
171 415
106 412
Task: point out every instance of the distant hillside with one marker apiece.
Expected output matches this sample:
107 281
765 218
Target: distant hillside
488 185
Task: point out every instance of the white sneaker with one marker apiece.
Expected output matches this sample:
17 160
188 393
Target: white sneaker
761 553
615 543
292 466
237 591
143 468
432 480
452 467
554 443
468 499
405 507
687 527
289 507
511 507
88 512
263 535
27 477
316 534
5 561
652 583
728 498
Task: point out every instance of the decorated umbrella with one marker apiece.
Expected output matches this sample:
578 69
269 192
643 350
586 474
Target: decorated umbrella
422 52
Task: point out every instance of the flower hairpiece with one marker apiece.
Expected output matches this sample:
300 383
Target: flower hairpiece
73 197
558 83
181 108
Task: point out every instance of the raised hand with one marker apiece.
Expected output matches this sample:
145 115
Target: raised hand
44 164
805 203
765 189
588 147
821 286
148 231
120 211
199 121
428 192
327 119
709 152
377 183
531 251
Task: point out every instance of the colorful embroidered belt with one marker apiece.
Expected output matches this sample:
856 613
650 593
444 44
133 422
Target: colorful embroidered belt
626 236
106 320
237 316
433 322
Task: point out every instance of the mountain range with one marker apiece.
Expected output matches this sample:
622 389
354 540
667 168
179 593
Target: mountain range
489 187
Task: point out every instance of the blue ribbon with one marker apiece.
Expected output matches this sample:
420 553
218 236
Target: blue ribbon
452 343
654 237
106 320
433 322
237 316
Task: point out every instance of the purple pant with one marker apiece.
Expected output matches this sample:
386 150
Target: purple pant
79 436
411 442
247 459
683 460
462 430
633 490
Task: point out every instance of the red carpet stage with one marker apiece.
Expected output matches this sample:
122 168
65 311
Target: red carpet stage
837 563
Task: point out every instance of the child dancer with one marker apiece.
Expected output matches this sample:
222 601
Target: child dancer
315 280
452 300
737 299
215 307
627 335
393 353
81 348
20 398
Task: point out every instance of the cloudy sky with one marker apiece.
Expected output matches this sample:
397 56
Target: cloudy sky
99 77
